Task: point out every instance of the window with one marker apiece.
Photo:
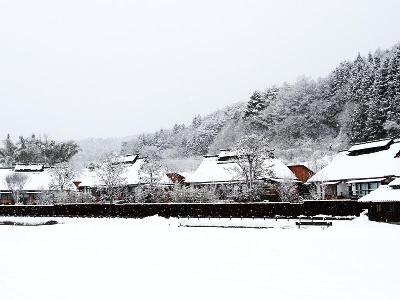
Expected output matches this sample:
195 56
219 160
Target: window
365 188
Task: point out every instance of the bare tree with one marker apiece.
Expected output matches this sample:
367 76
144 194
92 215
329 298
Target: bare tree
317 190
15 183
111 176
252 154
151 172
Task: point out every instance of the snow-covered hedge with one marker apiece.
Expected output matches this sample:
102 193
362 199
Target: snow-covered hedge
213 210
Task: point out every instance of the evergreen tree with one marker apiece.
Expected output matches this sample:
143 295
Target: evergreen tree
374 126
355 92
34 150
357 125
196 121
255 105
370 58
379 104
7 154
396 71
270 95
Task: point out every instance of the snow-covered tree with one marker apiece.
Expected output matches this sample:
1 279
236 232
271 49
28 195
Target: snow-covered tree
151 170
36 150
62 175
150 174
196 121
358 101
287 191
111 175
16 183
255 105
189 194
8 152
252 154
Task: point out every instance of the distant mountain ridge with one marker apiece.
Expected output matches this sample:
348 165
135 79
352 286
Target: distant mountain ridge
94 148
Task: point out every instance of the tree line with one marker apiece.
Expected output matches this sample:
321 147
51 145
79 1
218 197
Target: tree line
36 150
359 101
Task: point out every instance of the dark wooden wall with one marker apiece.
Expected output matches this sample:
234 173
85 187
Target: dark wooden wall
302 172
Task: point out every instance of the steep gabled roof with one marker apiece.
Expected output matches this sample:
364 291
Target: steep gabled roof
376 164
132 174
214 169
371 145
87 178
395 183
37 181
211 170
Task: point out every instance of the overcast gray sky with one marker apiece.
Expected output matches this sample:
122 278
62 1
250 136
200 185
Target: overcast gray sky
81 68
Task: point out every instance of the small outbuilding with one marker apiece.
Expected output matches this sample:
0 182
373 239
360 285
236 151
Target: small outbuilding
384 202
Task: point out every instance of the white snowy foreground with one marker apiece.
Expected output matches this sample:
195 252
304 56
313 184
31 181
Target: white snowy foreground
157 258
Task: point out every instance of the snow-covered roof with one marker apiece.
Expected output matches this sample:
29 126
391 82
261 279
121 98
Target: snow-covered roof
226 153
87 178
37 181
370 145
213 170
127 159
379 179
384 193
210 170
279 169
132 174
395 182
32 168
165 180
186 174
378 164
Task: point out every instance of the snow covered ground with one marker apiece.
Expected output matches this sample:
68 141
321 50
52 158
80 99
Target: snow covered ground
157 258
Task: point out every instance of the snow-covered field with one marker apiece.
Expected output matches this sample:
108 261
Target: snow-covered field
157 258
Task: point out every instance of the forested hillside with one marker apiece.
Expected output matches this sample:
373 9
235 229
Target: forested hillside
304 121
307 121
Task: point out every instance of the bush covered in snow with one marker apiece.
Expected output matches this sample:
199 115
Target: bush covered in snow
190 194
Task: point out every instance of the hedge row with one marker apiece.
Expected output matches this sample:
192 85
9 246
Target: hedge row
204 210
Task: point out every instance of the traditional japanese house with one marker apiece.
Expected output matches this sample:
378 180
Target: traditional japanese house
88 180
223 173
37 180
358 171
